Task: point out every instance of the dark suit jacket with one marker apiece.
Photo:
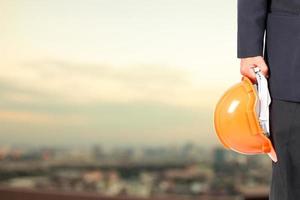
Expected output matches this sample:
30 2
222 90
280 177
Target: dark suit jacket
280 20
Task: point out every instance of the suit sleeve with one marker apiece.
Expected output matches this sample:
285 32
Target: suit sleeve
252 16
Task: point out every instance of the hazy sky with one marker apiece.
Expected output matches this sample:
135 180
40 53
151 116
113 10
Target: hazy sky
114 72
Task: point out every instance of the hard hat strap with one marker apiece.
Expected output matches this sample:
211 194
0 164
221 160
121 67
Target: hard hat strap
264 100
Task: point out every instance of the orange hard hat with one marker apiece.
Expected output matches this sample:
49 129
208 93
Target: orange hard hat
237 124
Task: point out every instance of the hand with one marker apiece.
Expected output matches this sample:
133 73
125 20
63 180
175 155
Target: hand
247 65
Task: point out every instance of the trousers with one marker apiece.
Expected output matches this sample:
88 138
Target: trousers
285 136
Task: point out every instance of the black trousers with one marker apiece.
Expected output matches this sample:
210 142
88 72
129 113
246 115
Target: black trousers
285 135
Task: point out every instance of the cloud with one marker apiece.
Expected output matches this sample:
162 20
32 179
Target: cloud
28 117
133 123
82 103
66 101
88 83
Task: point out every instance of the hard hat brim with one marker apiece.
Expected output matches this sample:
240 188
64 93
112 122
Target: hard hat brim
272 155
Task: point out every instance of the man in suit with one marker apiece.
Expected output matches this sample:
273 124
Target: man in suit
269 38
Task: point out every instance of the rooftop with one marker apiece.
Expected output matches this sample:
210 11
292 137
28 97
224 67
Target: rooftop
28 194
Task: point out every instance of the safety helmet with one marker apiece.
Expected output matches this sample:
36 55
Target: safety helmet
237 124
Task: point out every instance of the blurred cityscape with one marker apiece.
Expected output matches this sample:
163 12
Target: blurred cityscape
174 172
123 72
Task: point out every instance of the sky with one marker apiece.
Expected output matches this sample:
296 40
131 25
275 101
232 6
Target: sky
114 72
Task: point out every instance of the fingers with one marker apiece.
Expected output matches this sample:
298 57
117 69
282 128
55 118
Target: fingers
249 72
263 67
247 65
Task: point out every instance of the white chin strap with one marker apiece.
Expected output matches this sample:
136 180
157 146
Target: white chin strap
264 100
